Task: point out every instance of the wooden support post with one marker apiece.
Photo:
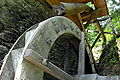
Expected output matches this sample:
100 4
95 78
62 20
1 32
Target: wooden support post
89 50
81 64
90 19
96 40
100 30
93 14
66 60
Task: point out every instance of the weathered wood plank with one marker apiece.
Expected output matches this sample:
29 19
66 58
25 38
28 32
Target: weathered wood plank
12 59
67 55
48 67
99 4
25 70
28 71
81 64
16 54
99 28
45 65
89 50
71 8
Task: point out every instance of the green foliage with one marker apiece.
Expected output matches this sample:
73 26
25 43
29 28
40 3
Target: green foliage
109 58
91 36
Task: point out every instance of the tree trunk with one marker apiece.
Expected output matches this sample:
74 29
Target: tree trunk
16 16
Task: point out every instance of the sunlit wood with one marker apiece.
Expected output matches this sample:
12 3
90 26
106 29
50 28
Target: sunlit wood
101 4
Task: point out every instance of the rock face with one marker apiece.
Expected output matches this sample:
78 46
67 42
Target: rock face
3 51
18 15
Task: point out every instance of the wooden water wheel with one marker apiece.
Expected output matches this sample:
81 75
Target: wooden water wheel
48 48
27 59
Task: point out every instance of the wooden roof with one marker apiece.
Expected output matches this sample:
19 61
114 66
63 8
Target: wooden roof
101 4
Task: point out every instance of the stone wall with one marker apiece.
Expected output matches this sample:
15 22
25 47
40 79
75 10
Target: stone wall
16 16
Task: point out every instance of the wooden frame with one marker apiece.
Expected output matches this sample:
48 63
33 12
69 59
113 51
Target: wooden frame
99 4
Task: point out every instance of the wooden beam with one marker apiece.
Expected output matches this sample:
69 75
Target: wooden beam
81 64
101 32
89 50
86 16
98 20
67 55
99 28
96 40
92 16
98 32
70 8
44 64
89 21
